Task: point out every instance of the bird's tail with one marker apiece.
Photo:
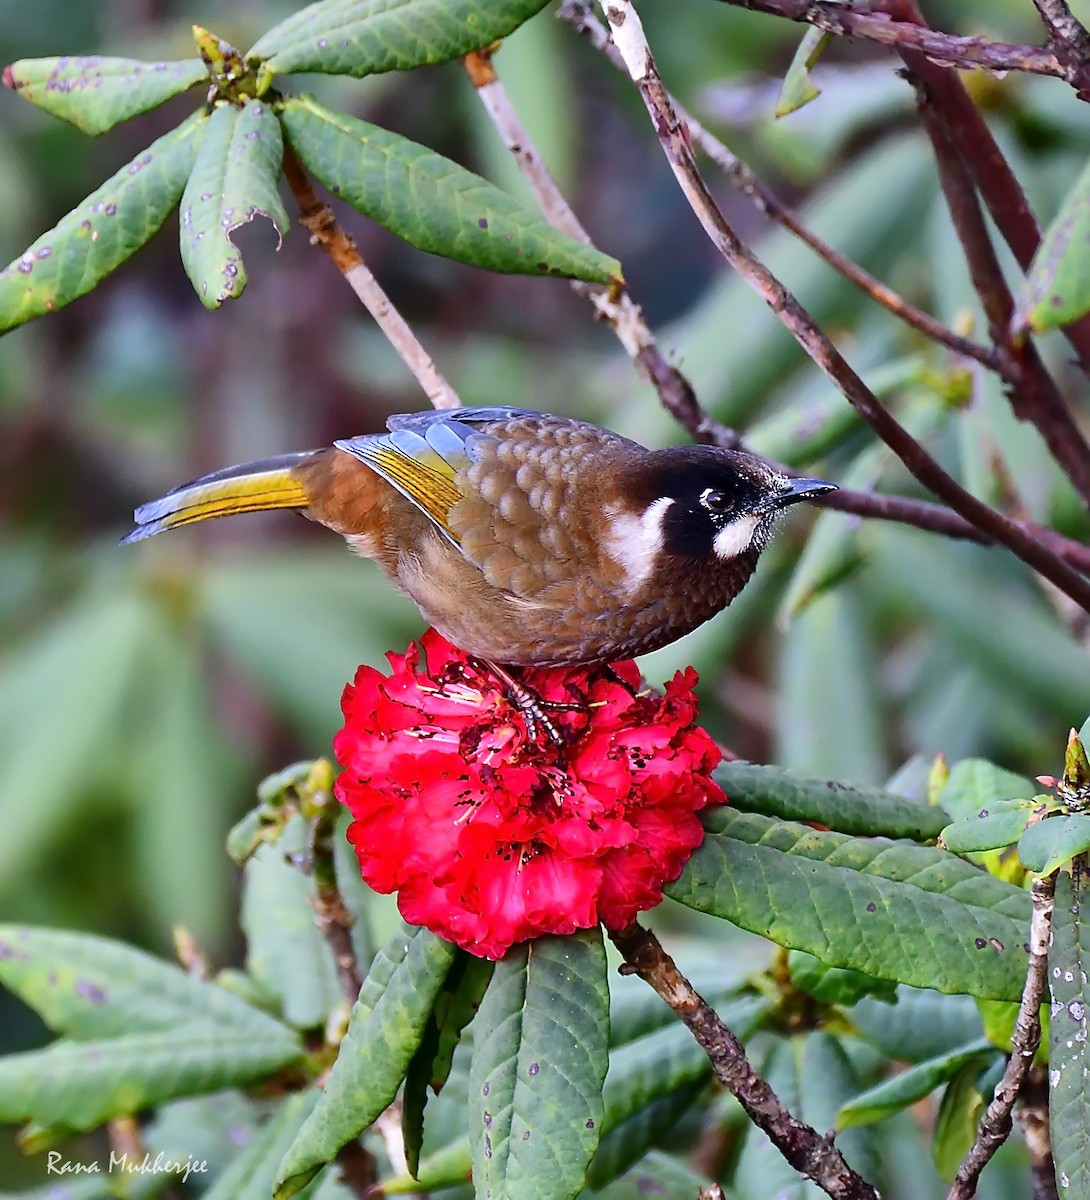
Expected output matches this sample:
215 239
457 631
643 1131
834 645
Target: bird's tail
251 487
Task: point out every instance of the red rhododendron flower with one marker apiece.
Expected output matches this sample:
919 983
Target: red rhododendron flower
491 837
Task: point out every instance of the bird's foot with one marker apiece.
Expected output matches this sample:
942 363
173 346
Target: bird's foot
534 708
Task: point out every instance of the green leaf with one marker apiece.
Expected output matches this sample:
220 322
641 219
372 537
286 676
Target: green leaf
1057 286
234 180
539 1061
775 792
97 236
921 1025
447 1167
95 94
94 1187
1050 843
656 1174
835 985
798 89
77 674
1069 1045
286 954
894 1094
366 37
895 911
252 1174
457 1006
85 986
431 202
652 1083
82 1084
213 1129
385 1029
956 1125
976 784
993 828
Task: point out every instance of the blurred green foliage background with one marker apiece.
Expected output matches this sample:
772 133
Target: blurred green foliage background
144 691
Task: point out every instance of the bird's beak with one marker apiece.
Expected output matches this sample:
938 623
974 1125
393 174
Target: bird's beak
799 489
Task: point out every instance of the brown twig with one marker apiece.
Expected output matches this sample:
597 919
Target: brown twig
999 187
326 232
803 1147
674 390
1031 1115
1034 395
867 22
1068 38
613 305
996 1125
334 920
934 518
578 14
629 37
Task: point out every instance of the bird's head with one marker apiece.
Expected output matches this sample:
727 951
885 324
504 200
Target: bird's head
700 506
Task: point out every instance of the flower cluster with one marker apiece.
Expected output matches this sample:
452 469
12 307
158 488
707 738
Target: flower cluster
490 836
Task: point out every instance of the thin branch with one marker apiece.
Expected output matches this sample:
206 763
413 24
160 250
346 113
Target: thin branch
578 14
996 1125
999 187
934 518
629 37
1031 1116
334 920
1034 397
804 1148
1067 35
326 232
613 305
674 390
866 22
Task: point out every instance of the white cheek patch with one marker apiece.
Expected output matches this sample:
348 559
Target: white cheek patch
636 542
735 538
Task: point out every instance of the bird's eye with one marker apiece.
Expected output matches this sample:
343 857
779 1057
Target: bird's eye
715 501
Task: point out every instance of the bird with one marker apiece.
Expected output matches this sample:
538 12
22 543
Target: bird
526 539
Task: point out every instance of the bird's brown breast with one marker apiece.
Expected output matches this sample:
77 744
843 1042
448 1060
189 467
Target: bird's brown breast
537 575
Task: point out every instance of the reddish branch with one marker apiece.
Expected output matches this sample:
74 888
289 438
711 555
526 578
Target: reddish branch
672 134
578 14
1034 397
868 22
804 1148
1063 27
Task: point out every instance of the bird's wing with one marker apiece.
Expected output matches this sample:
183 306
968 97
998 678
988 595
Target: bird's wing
501 484
425 455
422 458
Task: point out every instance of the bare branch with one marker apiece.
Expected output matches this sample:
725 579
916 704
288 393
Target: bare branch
804 1148
1034 397
1000 189
996 1125
934 518
614 305
325 231
629 37
1067 35
578 14
1031 1116
868 22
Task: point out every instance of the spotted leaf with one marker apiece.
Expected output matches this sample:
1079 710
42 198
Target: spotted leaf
97 236
94 93
234 180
